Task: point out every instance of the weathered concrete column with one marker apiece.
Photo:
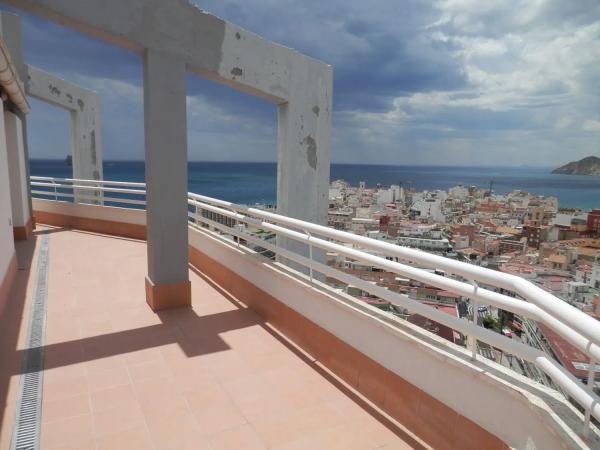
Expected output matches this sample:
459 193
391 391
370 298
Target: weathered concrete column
82 104
304 143
17 174
167 283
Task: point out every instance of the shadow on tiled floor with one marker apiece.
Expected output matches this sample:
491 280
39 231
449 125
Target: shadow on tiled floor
213 376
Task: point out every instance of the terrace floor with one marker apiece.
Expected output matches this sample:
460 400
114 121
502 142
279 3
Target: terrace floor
214 376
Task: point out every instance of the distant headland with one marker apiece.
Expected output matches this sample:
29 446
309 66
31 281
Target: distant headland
585 166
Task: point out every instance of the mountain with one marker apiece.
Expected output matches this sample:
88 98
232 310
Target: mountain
585 166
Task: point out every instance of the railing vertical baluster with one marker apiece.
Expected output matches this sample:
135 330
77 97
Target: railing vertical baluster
55 191
196 213
590 389
475 307
310 255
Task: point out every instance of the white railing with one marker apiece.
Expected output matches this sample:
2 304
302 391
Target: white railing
109 193
472 282
573 325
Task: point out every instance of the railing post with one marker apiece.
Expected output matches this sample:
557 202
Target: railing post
55 191
196 213
475 306
590 389
238 237
310 255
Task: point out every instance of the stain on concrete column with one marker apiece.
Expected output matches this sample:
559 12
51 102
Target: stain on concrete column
311 151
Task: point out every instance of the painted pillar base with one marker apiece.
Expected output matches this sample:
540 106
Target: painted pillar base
23 233
168 296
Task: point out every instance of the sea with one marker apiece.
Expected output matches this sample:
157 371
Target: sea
251 183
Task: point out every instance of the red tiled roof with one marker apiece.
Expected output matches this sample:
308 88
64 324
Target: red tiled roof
434 327
567 354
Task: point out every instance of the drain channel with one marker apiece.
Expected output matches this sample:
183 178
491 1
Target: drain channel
26 434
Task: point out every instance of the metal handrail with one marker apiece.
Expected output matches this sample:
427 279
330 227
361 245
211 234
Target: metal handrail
80 180
584 324
585 397
85 191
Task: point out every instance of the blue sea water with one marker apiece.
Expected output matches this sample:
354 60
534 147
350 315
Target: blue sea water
249 183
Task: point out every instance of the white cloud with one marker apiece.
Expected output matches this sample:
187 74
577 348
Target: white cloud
529 82
591 125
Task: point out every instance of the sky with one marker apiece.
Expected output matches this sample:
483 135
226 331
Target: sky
450 82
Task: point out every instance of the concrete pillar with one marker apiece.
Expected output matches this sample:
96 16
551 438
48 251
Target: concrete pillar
86 145
83 106
167 283
17 174
7 245
303 149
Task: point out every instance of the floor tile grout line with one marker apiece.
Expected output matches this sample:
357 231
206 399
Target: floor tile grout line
133 390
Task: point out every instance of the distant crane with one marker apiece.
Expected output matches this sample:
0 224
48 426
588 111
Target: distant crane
491 188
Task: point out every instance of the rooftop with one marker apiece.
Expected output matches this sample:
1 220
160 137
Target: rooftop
216 376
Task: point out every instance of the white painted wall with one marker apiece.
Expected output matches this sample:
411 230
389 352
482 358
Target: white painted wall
125 215
7 245
16 169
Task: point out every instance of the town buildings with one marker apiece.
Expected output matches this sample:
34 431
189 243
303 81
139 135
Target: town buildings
516 233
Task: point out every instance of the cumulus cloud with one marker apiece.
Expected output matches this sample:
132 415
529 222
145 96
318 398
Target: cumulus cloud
529 78
591 125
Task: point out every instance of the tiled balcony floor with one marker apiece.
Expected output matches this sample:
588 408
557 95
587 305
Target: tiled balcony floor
211 377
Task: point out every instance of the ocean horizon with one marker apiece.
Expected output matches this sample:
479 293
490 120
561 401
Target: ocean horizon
255 182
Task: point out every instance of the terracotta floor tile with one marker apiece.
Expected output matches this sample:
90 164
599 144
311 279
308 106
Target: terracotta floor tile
220 417
95 326
343 437
105 363
120 418
58 389
73 431
295 425
243 437
131 439
110 398
65 407
109 378
88 444
176 432
143 355
148 369
64 373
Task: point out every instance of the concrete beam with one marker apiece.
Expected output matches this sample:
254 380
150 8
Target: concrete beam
209 46
82 104
167 283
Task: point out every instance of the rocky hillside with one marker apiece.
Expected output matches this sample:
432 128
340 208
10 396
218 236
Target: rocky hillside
585 166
